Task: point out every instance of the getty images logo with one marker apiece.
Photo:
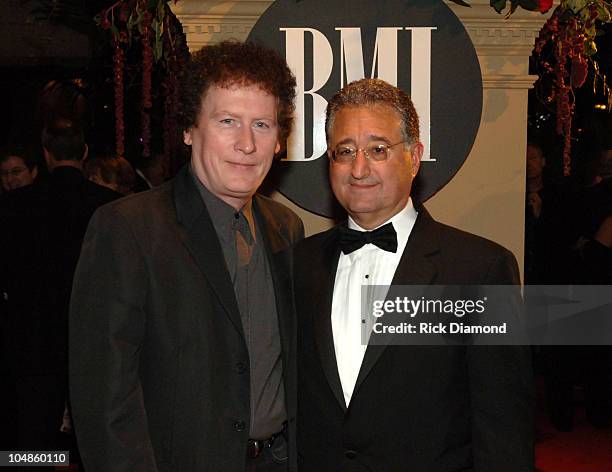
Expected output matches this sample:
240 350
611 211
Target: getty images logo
419 46
352 68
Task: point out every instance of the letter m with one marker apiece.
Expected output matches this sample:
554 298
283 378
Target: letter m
384 62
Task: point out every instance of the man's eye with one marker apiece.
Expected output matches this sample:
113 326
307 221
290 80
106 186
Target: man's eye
261 125
379 149
345 151
227 121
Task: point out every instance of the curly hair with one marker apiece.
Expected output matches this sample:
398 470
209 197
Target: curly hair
367 92
235 63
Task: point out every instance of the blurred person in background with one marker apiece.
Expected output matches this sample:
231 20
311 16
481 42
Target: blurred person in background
46 223
151 171
590 263
17 168
543 221
113 172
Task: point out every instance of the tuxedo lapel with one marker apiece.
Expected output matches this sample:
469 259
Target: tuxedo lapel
199 236
415 268
326 262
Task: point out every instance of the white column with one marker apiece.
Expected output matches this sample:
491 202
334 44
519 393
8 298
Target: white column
487 195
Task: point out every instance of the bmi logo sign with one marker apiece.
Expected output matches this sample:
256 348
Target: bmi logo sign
419 46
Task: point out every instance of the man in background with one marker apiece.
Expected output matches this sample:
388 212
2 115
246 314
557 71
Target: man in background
42 230
150 172
17 168
114 172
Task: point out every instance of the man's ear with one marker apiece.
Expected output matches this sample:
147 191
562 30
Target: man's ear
34 172
85 153
415 157
187 137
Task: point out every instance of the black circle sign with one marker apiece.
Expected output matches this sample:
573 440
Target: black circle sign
418 45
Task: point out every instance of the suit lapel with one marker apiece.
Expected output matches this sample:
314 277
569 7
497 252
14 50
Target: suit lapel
415 268
326 263
199 236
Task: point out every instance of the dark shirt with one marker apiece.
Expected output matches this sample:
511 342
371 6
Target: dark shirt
245 257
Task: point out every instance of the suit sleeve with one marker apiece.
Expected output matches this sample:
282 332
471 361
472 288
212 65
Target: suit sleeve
107 324
502 394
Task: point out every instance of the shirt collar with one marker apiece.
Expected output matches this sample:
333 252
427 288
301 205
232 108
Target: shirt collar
222 214
403 222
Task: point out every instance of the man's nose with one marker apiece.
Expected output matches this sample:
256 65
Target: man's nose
360 167
246 140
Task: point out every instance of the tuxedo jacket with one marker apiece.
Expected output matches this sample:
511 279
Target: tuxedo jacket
414 408
159 367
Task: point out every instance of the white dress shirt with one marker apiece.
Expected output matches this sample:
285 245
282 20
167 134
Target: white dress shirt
366 266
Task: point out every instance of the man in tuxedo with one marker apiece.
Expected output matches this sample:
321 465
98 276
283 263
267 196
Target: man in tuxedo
397 407
182 347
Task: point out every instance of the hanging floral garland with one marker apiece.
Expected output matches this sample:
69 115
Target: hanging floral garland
145 23
564 51
118 64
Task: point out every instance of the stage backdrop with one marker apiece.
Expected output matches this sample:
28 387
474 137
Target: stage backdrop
466 68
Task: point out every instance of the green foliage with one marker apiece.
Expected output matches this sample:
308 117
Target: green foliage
498 5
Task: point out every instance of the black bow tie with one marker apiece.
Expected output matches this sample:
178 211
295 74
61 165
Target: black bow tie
383 237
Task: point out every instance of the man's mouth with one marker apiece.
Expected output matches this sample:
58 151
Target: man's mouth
241 165
363 185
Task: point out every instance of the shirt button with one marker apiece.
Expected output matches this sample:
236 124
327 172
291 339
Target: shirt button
350 454
239 426
240 367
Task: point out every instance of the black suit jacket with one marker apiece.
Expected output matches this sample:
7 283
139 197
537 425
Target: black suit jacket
140 184
43 226
414 408
159 365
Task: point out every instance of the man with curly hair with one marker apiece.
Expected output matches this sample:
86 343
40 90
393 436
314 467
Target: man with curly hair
181 316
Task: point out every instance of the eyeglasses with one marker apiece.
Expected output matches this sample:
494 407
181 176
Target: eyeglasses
375 152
